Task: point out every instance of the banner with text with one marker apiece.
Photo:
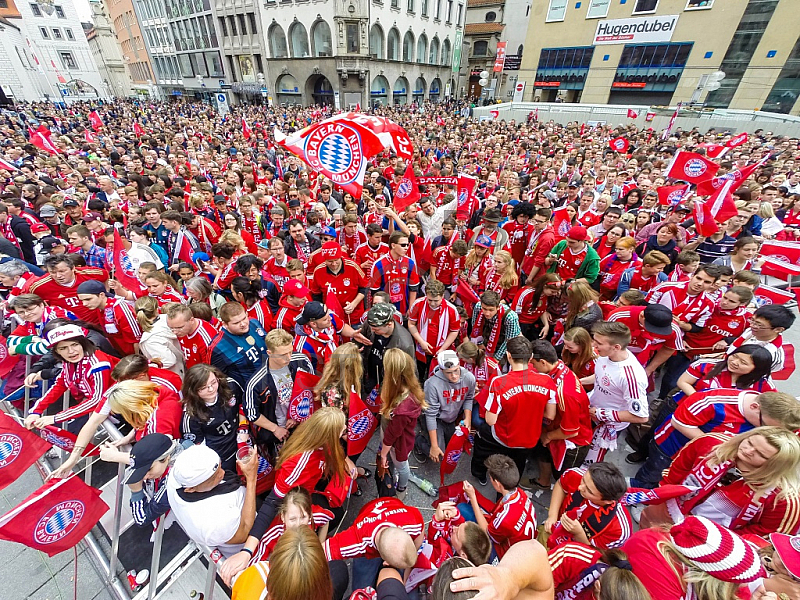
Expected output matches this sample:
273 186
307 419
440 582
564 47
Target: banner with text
638 30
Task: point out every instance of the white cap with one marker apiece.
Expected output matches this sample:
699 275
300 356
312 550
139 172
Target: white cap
65 332
195 465
448 359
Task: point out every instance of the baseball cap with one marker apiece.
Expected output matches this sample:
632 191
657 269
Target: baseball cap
65 332
788 548
263 244
48 210
574 184
146 451
577 233
380 314
448 359
551 195
195 465
293 203
311 312
219 199
69 202
484 241
295 288
91 287
48 243
39 228
331 250
92 217
658 319
680 208
329 231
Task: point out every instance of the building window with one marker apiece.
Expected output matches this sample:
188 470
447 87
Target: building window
252 18
645 6
34 9
57 33
424 8
491 16
786 90
43 31
460 14
321 41
449 11
393 45
242 24
410 5
68 60
699 4
438 9
352 38
480 48
396 4
232 23
223 26
70 35
60 12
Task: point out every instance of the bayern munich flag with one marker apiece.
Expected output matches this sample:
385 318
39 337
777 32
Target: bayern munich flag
302 403
691 167
19 449
361 424
458 444
55 517
408 190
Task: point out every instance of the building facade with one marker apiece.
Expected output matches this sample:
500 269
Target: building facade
44 54
160 46
656 52
107 52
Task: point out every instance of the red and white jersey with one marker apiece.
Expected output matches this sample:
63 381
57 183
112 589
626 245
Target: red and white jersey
23 280
642 283
569 262
319 517
643 343
65 296
589 218
518 236
433 325
196 345
345 285
523 305
119 321
574 571
169 296
721 324
446 266
675 296
359 539
351 243
286 317
396 277
775 348
484 373
260 312
277 272
620 386
301 470
366 255
512 520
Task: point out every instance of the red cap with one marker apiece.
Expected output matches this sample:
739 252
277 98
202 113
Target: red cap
295 288
788 548
577 233
331 251
39 228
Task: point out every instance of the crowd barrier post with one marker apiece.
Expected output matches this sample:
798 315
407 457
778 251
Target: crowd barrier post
28 360
152 587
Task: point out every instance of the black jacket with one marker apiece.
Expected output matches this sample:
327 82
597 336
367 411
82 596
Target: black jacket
22 230
291 249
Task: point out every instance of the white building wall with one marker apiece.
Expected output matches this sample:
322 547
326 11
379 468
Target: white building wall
18 74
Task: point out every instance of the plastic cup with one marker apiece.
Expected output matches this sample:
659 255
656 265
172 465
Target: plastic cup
243 454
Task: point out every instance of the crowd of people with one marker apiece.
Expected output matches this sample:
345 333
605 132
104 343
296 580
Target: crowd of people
559 312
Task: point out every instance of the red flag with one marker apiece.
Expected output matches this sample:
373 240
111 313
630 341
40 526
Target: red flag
691 167
455 493
466 202
95 120
620 144
737 176
784 252
467 295
458 444
19 449
495 113
670 195
123 267
778 269
7 360
788 362
769 295
61 438
361 424
583 128
42 142
246 131
4 164
408 190
737 140
137 129
671 124
722 204
302 403
55 517
657 495
713 150
632 114
358 107
333 304
89 137
703 219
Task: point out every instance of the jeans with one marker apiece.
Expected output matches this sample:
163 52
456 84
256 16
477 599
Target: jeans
673 369
650 473
340 578
365 572
486 445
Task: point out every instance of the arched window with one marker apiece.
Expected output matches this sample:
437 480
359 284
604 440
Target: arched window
446 52
321 44
376 41
422 48
480 48
393 45
277 42
433 57
298 39
491 16
408 47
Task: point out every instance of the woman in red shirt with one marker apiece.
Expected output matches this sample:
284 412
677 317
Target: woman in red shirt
606 244
162 287
578 353
530 304
747 367
502 277
233 222
613 265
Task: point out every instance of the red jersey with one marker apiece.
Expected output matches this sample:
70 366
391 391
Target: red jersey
434 325
485 373
518 236
169 296
662 578
277 272
642 283
719 325
523 305
643 343
446 265
519 399
260 312
358 540
605 526
286 316
701 370
121 325
366 255
611 269
572 401
345 285
569 262
351 243
301 470
675 296
65 296
252 226
397 278
589 218
512 520
574 570
196 345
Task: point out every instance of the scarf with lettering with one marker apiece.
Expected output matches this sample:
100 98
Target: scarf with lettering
443 324
300 252
493 328
597 518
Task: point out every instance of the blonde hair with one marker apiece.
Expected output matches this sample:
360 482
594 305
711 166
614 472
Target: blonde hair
579 294
298 569
627 242
509 278
473 260
146 312
782 407
765 210
344 370
322 429
232 238
134 400
778 471
399 381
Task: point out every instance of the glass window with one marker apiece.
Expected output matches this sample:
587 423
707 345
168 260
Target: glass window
214 64
449 11
36 10
352 38
645 6
410 5
699 4
232 24
186 65
460 14
491 16
683 55
60 12
223 26
242 24
68 60
57 33
424 8
647 56
480 48
577 58
252 18
199 64
587 58
70 35
45 34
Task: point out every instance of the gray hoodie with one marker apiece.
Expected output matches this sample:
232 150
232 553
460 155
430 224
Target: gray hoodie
446 400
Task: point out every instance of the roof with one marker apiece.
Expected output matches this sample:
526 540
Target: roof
479 28
471 3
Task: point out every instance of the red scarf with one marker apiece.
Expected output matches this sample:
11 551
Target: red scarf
300 254
9 234
494 336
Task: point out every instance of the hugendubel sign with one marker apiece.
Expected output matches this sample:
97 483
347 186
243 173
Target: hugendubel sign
638 30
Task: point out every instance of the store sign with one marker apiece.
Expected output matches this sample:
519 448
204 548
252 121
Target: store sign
640 30
547 84
598 9
456 66
513 62
627 84
519 90
500 59
556 11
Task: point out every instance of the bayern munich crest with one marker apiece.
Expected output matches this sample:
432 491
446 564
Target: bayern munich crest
59 522
695 167
675 197
453 456
336 149
10 448
359 425
404 189
300 410
618 144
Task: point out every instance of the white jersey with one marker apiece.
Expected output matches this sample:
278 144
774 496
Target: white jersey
620 386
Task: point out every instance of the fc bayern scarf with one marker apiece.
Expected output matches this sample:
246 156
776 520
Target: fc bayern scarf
479 329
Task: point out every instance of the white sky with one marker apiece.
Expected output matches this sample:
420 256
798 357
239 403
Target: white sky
83 10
